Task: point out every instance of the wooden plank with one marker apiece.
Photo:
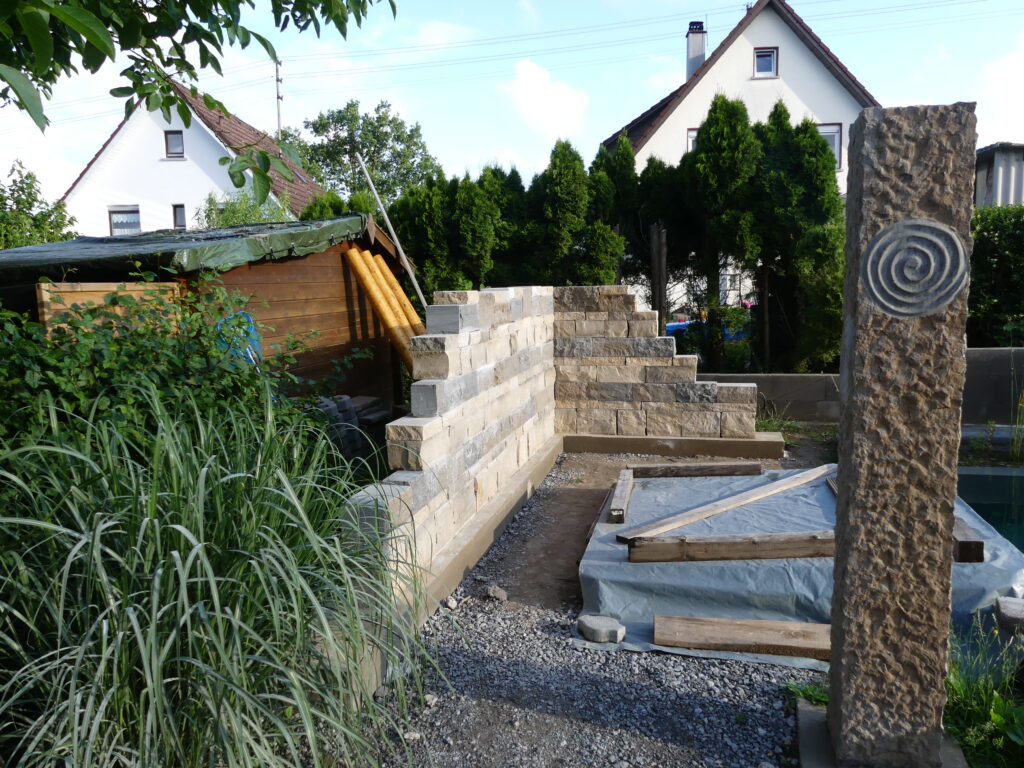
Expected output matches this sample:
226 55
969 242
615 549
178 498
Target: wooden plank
55 299
251 274
968 545
779 638
762 546
697 469
724 505
833 484
620 497
285 291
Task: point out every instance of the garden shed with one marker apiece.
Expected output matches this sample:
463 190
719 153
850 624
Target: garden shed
295 274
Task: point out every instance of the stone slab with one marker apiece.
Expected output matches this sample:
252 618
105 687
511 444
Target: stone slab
600 629
764 445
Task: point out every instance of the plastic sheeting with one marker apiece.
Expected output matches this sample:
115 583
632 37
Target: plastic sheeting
794 589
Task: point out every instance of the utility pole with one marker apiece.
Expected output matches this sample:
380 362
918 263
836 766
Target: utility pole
280 98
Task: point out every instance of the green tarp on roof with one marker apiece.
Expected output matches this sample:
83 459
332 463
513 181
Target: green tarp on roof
185 251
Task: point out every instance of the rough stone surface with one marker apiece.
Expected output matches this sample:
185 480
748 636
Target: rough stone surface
901 385
1010 614
600 629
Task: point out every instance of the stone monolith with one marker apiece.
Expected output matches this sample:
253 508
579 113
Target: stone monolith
908 244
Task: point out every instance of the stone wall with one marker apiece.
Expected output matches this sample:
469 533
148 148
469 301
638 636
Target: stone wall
615 376
482 406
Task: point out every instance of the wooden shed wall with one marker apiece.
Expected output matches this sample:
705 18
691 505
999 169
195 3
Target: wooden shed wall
318 292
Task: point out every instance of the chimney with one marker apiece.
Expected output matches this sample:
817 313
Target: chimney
696 47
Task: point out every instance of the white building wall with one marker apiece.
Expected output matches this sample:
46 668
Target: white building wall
804 84
133 170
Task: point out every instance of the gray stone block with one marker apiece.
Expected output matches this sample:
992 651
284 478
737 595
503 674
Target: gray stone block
573 347
608 390
452 318
600 629
697 392
575 298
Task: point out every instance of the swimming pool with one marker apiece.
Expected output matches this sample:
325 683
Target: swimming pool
997 494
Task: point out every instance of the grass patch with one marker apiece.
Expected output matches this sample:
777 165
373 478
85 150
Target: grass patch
196 594
813 692
771 418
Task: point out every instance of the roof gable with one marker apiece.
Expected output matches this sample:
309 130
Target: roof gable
640 130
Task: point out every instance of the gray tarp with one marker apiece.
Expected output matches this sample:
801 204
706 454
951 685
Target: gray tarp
796 589
185 251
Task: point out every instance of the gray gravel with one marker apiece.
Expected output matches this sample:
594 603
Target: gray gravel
516 693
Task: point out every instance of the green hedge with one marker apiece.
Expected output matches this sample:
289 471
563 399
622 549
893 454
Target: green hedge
996 304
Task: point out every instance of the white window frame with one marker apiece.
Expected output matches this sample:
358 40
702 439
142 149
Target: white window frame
773 53
833 134
174 218
691 139
112 210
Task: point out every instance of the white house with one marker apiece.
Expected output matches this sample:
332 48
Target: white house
770 54
999 175
151 174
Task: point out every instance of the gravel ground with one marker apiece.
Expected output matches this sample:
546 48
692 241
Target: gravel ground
514 692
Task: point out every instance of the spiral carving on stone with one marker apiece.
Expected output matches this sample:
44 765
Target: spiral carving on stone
915 267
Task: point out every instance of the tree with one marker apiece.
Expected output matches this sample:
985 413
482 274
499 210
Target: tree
241 207
45 40
718 173
995 318
25 217
395 153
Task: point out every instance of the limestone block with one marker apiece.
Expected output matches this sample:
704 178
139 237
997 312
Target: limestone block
659 346
662 423
417 456
486 310
697 392
570 390
573 347
596 316
632 422
565 420
608 390
737 393
515 309
463 504
643 328
738 424
456 297
435 356
432 397
664 374
570 316
685 360
412 428
700 424
575 298
616 301
627 373
598 361
657 392
452 318
543 305
600 629
596 421
565 327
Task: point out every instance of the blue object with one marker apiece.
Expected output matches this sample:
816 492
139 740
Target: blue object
237 335
729 334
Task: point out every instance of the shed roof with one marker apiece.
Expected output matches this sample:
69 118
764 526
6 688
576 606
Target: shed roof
186 251
642 128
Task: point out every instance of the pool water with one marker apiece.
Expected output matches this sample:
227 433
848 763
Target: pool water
997 494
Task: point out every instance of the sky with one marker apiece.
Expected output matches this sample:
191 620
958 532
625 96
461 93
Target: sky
499 81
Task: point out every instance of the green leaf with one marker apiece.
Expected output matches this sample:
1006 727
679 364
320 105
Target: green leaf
184 113
36 25
237 178
267 45
123 92
88 26
260 186
27 94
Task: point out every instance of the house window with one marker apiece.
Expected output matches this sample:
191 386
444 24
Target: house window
766 62
124 219
691 139
178 211
833 134
174 144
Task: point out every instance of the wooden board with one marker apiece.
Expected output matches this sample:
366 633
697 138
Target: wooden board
723 505
620 497
701 469
762 546
55 299
780 638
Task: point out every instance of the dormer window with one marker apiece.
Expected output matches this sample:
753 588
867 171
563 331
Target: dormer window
174 144
766 62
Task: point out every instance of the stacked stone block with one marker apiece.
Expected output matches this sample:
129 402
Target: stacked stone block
482 405
615 376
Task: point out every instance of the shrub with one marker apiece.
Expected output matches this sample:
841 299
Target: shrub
997 277
198 594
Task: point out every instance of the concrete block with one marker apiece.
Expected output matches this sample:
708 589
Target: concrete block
565 328
655 393
600 629
607 390
662 423
577 298
737 424
663 374
633 422
410 428
697 392
452 318
628 373
596 421
700 424
616 301
571 316
643 328
429 397
737 393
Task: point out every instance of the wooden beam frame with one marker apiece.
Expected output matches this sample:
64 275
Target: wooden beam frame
621 492
780 638
762 546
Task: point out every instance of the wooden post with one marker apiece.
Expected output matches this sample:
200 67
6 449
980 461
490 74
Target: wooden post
380 306
407 309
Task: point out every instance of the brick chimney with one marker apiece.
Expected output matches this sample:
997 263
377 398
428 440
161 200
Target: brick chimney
696 47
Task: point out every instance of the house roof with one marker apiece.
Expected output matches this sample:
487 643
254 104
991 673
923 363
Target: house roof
237 136
641 129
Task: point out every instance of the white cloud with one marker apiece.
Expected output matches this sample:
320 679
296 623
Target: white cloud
1000 109
553 108
529 11
667 75
440 33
